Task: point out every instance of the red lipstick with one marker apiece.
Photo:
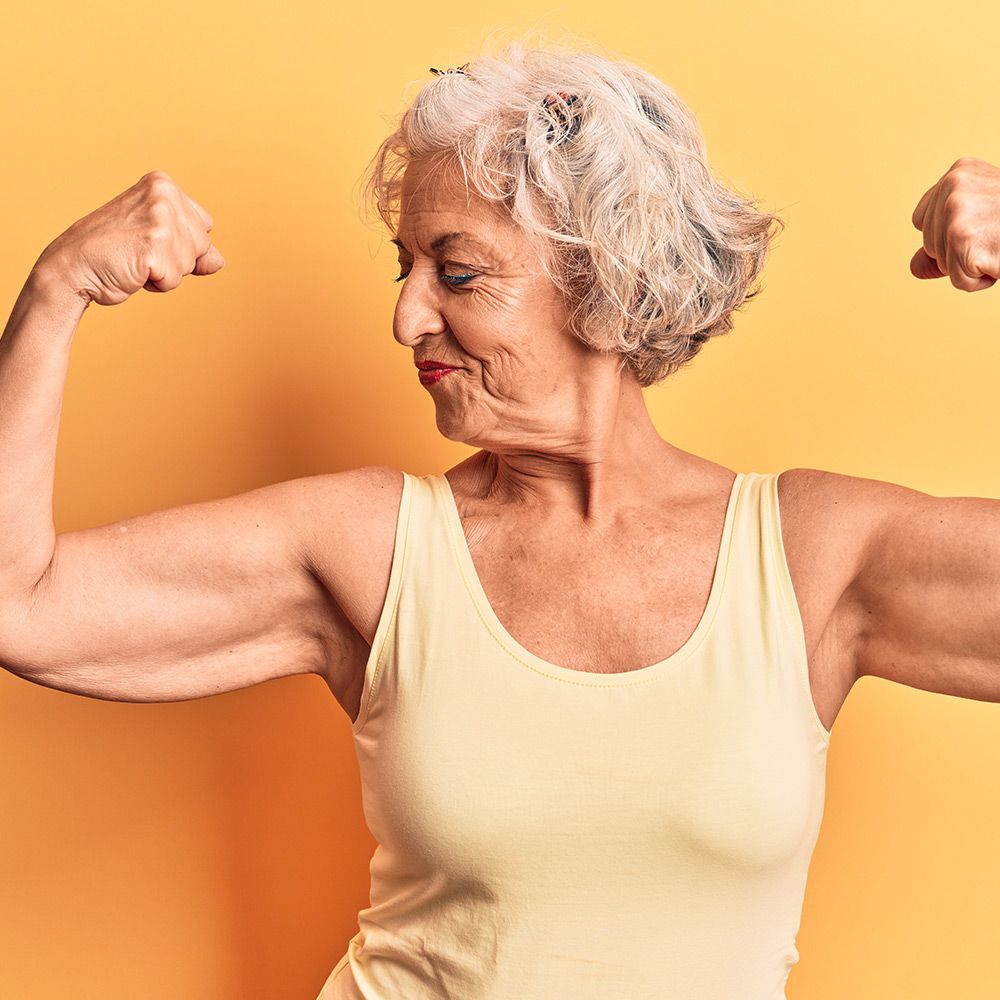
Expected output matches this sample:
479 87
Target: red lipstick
433 371
433 375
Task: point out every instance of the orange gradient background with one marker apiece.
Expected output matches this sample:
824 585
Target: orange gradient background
216 849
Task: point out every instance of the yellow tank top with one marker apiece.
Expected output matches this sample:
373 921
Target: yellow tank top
545 833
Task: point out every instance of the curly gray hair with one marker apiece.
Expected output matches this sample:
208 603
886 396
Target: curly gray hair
605 169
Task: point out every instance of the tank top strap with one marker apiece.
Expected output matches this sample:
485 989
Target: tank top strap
423 597
762 597
410 501
773 547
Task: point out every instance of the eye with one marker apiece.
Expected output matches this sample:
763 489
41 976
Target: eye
450 279
457 279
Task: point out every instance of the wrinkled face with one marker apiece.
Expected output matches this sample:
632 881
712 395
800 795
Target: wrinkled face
481 301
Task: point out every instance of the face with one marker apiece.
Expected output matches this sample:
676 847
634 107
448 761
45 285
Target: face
482 303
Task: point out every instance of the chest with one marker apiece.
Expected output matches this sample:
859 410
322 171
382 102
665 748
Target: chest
609 603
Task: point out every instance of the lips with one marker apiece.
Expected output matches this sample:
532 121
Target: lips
434 375
429 366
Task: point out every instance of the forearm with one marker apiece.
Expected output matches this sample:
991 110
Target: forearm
34 359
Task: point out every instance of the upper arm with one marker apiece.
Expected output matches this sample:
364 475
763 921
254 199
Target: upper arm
191 601
927 590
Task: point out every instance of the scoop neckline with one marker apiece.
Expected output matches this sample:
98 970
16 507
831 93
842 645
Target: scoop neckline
463 555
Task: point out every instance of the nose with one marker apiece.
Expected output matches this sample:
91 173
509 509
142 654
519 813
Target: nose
418 313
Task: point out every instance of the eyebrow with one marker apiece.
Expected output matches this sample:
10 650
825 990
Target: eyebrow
441 242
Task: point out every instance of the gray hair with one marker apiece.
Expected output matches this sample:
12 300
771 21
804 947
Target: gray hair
605 169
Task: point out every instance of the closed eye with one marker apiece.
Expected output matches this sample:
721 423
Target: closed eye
450 279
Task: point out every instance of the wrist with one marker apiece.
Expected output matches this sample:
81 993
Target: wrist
45 302
48 287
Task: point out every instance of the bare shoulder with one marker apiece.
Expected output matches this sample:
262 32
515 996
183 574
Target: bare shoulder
355 496
851 508
350 534
829 523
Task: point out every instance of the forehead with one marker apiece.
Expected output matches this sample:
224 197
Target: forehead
437 211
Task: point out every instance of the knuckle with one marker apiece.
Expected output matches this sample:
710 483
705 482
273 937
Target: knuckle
953 202
963 173
159 184
159 210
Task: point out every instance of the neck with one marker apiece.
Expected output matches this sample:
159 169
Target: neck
609 455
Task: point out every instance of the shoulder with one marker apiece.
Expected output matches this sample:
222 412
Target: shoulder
348 517
830 523
354 492
354 506
834 501
364 481
347 529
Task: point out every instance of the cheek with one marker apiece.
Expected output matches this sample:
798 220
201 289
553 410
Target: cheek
513 311
502 373
510 329
482 319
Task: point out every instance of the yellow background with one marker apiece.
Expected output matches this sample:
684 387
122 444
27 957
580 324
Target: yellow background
216 848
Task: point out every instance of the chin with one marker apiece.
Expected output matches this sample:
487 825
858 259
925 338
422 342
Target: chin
447 427
453 429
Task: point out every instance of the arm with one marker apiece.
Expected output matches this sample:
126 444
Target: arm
176 604
926 593
149 236
191 601
925 598
34 359
167 606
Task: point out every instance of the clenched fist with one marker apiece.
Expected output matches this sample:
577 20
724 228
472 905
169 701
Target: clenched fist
960 219
149 236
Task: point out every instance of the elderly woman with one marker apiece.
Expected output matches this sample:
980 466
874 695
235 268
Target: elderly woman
591 676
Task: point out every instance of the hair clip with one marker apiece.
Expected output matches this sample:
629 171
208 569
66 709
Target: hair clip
569 124
457 69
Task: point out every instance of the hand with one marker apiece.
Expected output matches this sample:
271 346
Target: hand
149 236
960 220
